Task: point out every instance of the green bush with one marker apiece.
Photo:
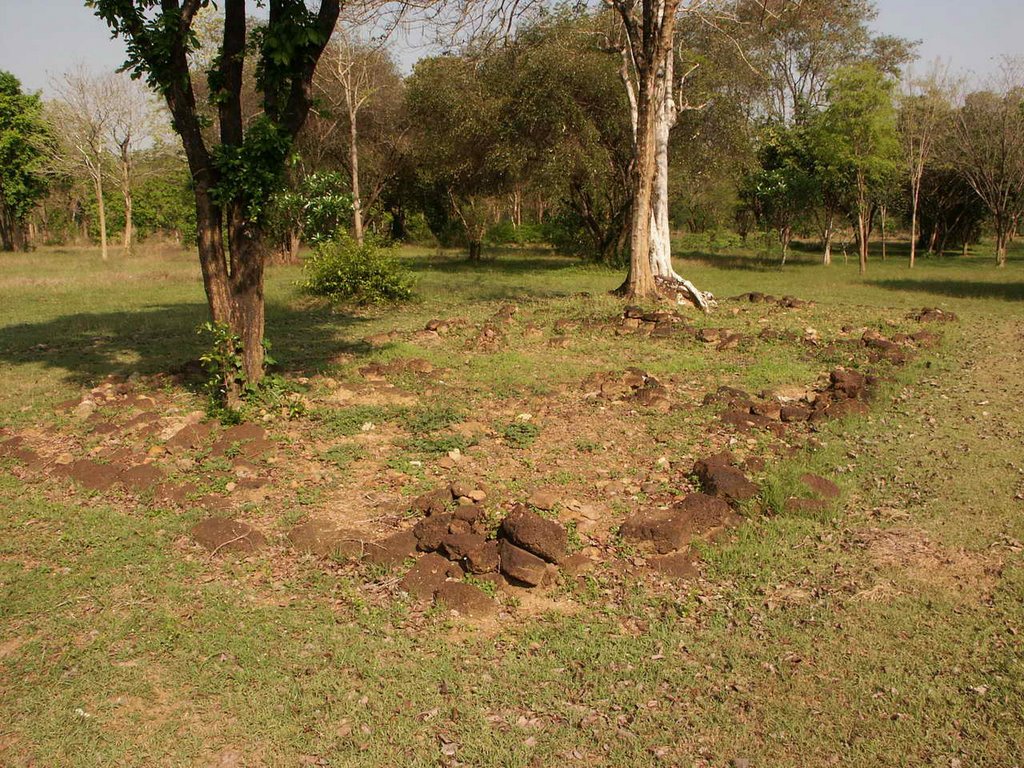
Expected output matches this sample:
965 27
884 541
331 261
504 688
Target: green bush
344 271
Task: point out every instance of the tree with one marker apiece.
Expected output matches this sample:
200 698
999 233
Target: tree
924 108
781 190
457 119
359 71
566 137
134 125
84 118
234 180
860 122
801 46
648 31
989 152
23 135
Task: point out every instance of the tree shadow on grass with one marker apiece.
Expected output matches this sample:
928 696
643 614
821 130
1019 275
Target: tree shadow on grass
160 339
958 289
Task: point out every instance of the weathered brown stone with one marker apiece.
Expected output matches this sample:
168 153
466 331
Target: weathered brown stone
427 576
848 383
482 559
430 531
820 486
457 545
469 513
433 502
521 566
465 599
324 538
141 477
391 550
678 566
93 476
770 409
544 538
665 530
696 516
724 480
794 413
189 437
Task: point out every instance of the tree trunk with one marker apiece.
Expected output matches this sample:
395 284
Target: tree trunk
785 236
639 282
883 210
9 228
475 250
353 155
1001 244
246 289
101 209
862 241
827 234
126 191
914 203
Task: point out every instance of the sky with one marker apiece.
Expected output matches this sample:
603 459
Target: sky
40 39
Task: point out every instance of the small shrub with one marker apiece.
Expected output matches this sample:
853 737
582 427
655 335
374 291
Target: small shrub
432 419
344 271
437 446
343 455
521 434
345 422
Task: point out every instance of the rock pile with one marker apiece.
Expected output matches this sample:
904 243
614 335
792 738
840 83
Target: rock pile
658 324
932 315
720 476
787 302
634 385
846 394
455 539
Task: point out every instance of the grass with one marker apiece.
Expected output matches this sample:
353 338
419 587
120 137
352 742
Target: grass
886 633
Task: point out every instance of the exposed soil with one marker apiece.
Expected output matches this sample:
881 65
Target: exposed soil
143 443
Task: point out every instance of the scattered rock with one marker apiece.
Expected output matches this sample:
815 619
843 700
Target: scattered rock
469 513
933 315
521 566
543 499
465 599
427 576
189 437
430 531
324 538
792 413
723 479
820 486
433 502
90 475
526 529
678 566
577 564
141 477
848 383
222 534
483 559
392 550
696 516
458 545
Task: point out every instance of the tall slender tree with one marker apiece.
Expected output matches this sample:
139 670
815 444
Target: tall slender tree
24 135
234 179
925 105
989 151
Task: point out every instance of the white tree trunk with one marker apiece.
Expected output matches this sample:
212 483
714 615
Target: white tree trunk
353 152
665 115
